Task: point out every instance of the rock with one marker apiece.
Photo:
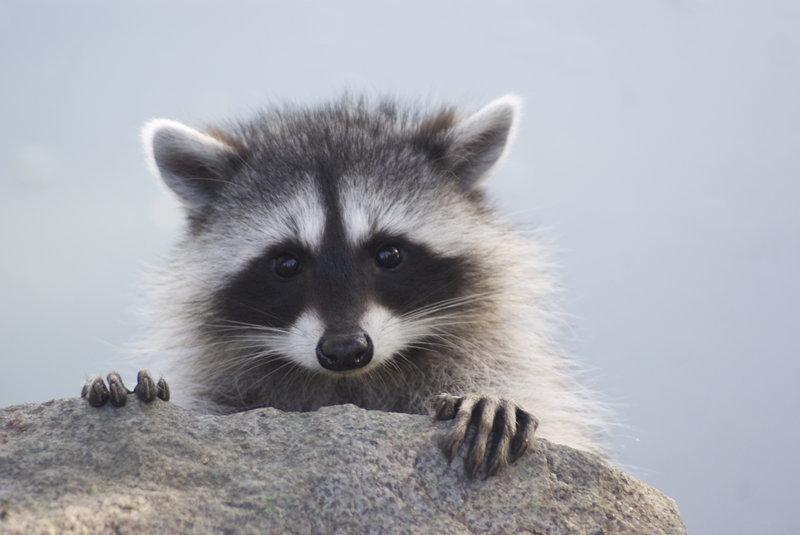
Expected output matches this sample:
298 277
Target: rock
68 468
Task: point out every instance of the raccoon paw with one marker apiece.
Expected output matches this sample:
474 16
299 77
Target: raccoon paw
98 394
502 430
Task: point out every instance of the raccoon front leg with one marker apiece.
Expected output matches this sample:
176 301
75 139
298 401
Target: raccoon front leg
98 394
502 430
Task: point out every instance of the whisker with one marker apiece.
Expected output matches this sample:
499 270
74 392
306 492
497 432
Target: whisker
444 304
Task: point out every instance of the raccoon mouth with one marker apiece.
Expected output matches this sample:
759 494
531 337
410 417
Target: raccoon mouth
344 352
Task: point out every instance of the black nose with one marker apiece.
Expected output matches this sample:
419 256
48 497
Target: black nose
339 352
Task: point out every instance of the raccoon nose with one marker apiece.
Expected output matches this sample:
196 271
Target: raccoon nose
340 352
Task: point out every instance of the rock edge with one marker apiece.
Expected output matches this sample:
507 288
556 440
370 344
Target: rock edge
68 468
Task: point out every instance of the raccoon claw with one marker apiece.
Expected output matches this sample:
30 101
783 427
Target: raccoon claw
502 430
95 391
117 389
98 394
163 389
145 388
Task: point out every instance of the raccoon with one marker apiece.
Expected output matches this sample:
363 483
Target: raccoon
348 253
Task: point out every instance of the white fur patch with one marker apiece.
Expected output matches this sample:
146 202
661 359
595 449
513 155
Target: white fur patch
305 216
440 223
390 335
211 259
357 222
387 331
300 345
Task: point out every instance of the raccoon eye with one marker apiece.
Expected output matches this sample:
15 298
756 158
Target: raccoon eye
388 257
286 265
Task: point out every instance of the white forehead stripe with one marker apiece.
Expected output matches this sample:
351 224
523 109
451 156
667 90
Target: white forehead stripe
356 222
304 217
438 223
236 242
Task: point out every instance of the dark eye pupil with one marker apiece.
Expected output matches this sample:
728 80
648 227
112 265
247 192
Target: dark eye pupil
388 257
286 265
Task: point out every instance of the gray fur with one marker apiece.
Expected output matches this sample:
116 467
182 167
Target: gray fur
373 167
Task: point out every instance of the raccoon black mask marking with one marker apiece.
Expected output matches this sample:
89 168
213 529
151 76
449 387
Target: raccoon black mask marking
347 254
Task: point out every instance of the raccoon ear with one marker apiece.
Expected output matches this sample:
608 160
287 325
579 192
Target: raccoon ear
482 139
191 163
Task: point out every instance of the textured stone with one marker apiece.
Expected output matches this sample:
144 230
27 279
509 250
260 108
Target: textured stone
68 468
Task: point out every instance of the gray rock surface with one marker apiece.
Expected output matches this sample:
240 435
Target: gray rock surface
68 468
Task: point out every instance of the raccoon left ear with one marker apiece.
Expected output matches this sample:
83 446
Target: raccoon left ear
191 163
481 140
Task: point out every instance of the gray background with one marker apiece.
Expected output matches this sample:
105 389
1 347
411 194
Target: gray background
659 147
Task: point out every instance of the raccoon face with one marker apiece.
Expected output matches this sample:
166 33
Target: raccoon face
337 239
343 305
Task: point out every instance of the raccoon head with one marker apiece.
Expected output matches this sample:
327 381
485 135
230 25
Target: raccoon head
338 239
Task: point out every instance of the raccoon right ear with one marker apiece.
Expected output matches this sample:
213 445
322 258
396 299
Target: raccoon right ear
481 140
191 163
